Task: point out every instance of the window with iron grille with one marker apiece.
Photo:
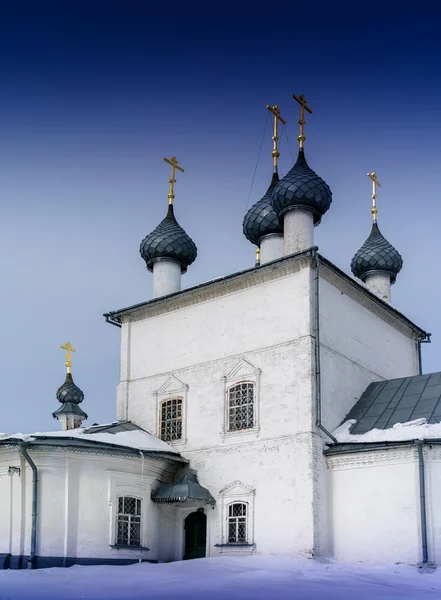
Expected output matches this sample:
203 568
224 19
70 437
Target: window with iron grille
241 406
128 522
237 523
171 419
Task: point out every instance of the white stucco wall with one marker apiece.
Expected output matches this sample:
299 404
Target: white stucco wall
260 328
263 334
432 458
374 506
358 346
77 500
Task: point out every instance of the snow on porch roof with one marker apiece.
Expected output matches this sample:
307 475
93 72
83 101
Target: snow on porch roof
385 403
117 435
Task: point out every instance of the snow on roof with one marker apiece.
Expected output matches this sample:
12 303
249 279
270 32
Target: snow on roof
418 429
136 438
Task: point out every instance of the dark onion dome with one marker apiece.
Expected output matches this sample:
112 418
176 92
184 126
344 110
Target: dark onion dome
70 397
261 219
69 392
168 240
376 255
301 188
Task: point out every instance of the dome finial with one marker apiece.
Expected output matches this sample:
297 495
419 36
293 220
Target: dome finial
68 347
69 414
302 101
375 182
274 110
174 165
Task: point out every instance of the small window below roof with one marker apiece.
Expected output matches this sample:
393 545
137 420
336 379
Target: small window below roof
128 521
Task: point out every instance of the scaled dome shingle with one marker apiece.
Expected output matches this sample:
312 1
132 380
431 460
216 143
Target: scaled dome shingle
168 240
301 188
376 254
261 219
69 392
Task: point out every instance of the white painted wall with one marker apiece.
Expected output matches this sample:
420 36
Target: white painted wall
357 347
374 506
432 458
190 352
77 501
268 326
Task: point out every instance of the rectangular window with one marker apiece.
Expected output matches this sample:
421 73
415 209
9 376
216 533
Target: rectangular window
128 524
241 406
237 523
171 419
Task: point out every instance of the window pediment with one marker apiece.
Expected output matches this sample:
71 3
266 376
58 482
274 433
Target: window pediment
173 385
241 370
237 489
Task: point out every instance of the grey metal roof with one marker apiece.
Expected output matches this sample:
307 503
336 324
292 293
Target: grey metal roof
376 254
168 240
303 188
261 219
69 408
385 403
115 427
187 488
87 441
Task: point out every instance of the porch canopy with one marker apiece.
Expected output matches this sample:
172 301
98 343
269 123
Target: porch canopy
186 490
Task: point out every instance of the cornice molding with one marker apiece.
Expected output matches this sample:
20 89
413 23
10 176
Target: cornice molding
371 459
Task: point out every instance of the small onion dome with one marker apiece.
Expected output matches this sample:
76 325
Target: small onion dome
376 255
168 240
261 219
70 397
301 188
69 392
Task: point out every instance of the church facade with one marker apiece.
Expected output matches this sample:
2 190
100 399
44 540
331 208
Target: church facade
230 408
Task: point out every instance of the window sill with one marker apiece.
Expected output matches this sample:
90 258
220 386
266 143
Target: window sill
176 442
234 545
240 432
122 547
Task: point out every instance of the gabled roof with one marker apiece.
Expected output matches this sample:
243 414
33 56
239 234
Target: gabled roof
385 403
118 436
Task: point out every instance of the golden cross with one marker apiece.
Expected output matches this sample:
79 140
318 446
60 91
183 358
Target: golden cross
274 110
375 182
302 101
68 347
174 165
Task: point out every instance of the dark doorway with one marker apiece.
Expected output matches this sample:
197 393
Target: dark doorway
195 535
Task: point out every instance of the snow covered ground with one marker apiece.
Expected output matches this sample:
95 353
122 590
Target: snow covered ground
226 578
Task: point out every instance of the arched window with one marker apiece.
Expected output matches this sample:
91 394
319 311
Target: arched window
237 523
128 521
241 406
170 425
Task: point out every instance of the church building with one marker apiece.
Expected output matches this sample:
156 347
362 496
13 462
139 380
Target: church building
277 410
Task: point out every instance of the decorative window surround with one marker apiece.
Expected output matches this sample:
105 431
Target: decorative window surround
247 373
172 388
237 493
125 484
128 521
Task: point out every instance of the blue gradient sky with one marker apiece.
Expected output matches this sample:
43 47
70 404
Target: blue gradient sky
94 94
